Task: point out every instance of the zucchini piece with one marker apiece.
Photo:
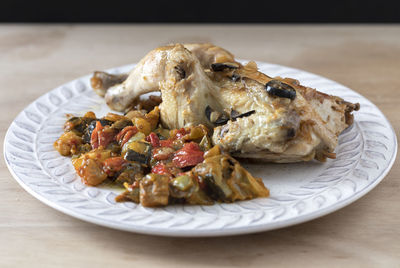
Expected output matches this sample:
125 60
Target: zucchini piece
121 124
139 136
186 188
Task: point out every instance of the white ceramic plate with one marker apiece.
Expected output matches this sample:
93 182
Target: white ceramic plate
299 192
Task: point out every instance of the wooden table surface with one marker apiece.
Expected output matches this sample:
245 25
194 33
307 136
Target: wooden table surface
38 58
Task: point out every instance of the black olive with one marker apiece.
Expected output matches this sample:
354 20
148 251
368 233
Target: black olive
180 71
131 155
235 114
221 120
279 89
219 67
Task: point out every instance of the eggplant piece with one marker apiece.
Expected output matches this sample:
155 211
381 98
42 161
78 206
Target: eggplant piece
214 189
131 173
186 189
280 89
138 151
129 196
105 122
131 155
226 180
154 190
77 124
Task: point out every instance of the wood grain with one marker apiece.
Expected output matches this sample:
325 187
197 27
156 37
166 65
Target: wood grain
37 58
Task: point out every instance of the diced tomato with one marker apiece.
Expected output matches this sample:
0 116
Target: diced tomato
94 139
106 136
127 136
114 164
180 133
101 136
162 153
160 169
189 155
153 139
166 143
124 135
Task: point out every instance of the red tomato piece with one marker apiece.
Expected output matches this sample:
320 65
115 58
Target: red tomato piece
114 164
160 169
162 153
189 155
125 134
153 139
180 133
166 143
106 136
94 139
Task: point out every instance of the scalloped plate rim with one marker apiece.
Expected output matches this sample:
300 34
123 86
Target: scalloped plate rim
207 232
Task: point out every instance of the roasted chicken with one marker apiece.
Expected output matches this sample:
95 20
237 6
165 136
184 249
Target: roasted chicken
252 115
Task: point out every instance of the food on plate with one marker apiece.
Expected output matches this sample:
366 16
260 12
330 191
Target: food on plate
179 147
154 165
251 115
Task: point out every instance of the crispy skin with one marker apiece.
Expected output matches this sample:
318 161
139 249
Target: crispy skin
275 129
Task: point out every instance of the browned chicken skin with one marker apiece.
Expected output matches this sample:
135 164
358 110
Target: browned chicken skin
253 115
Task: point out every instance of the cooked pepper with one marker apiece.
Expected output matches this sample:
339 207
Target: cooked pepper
162 153
113 148
153 139
126 134
113 165
160 169
189 155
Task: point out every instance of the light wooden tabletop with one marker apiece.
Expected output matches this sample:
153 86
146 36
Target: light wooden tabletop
38 58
